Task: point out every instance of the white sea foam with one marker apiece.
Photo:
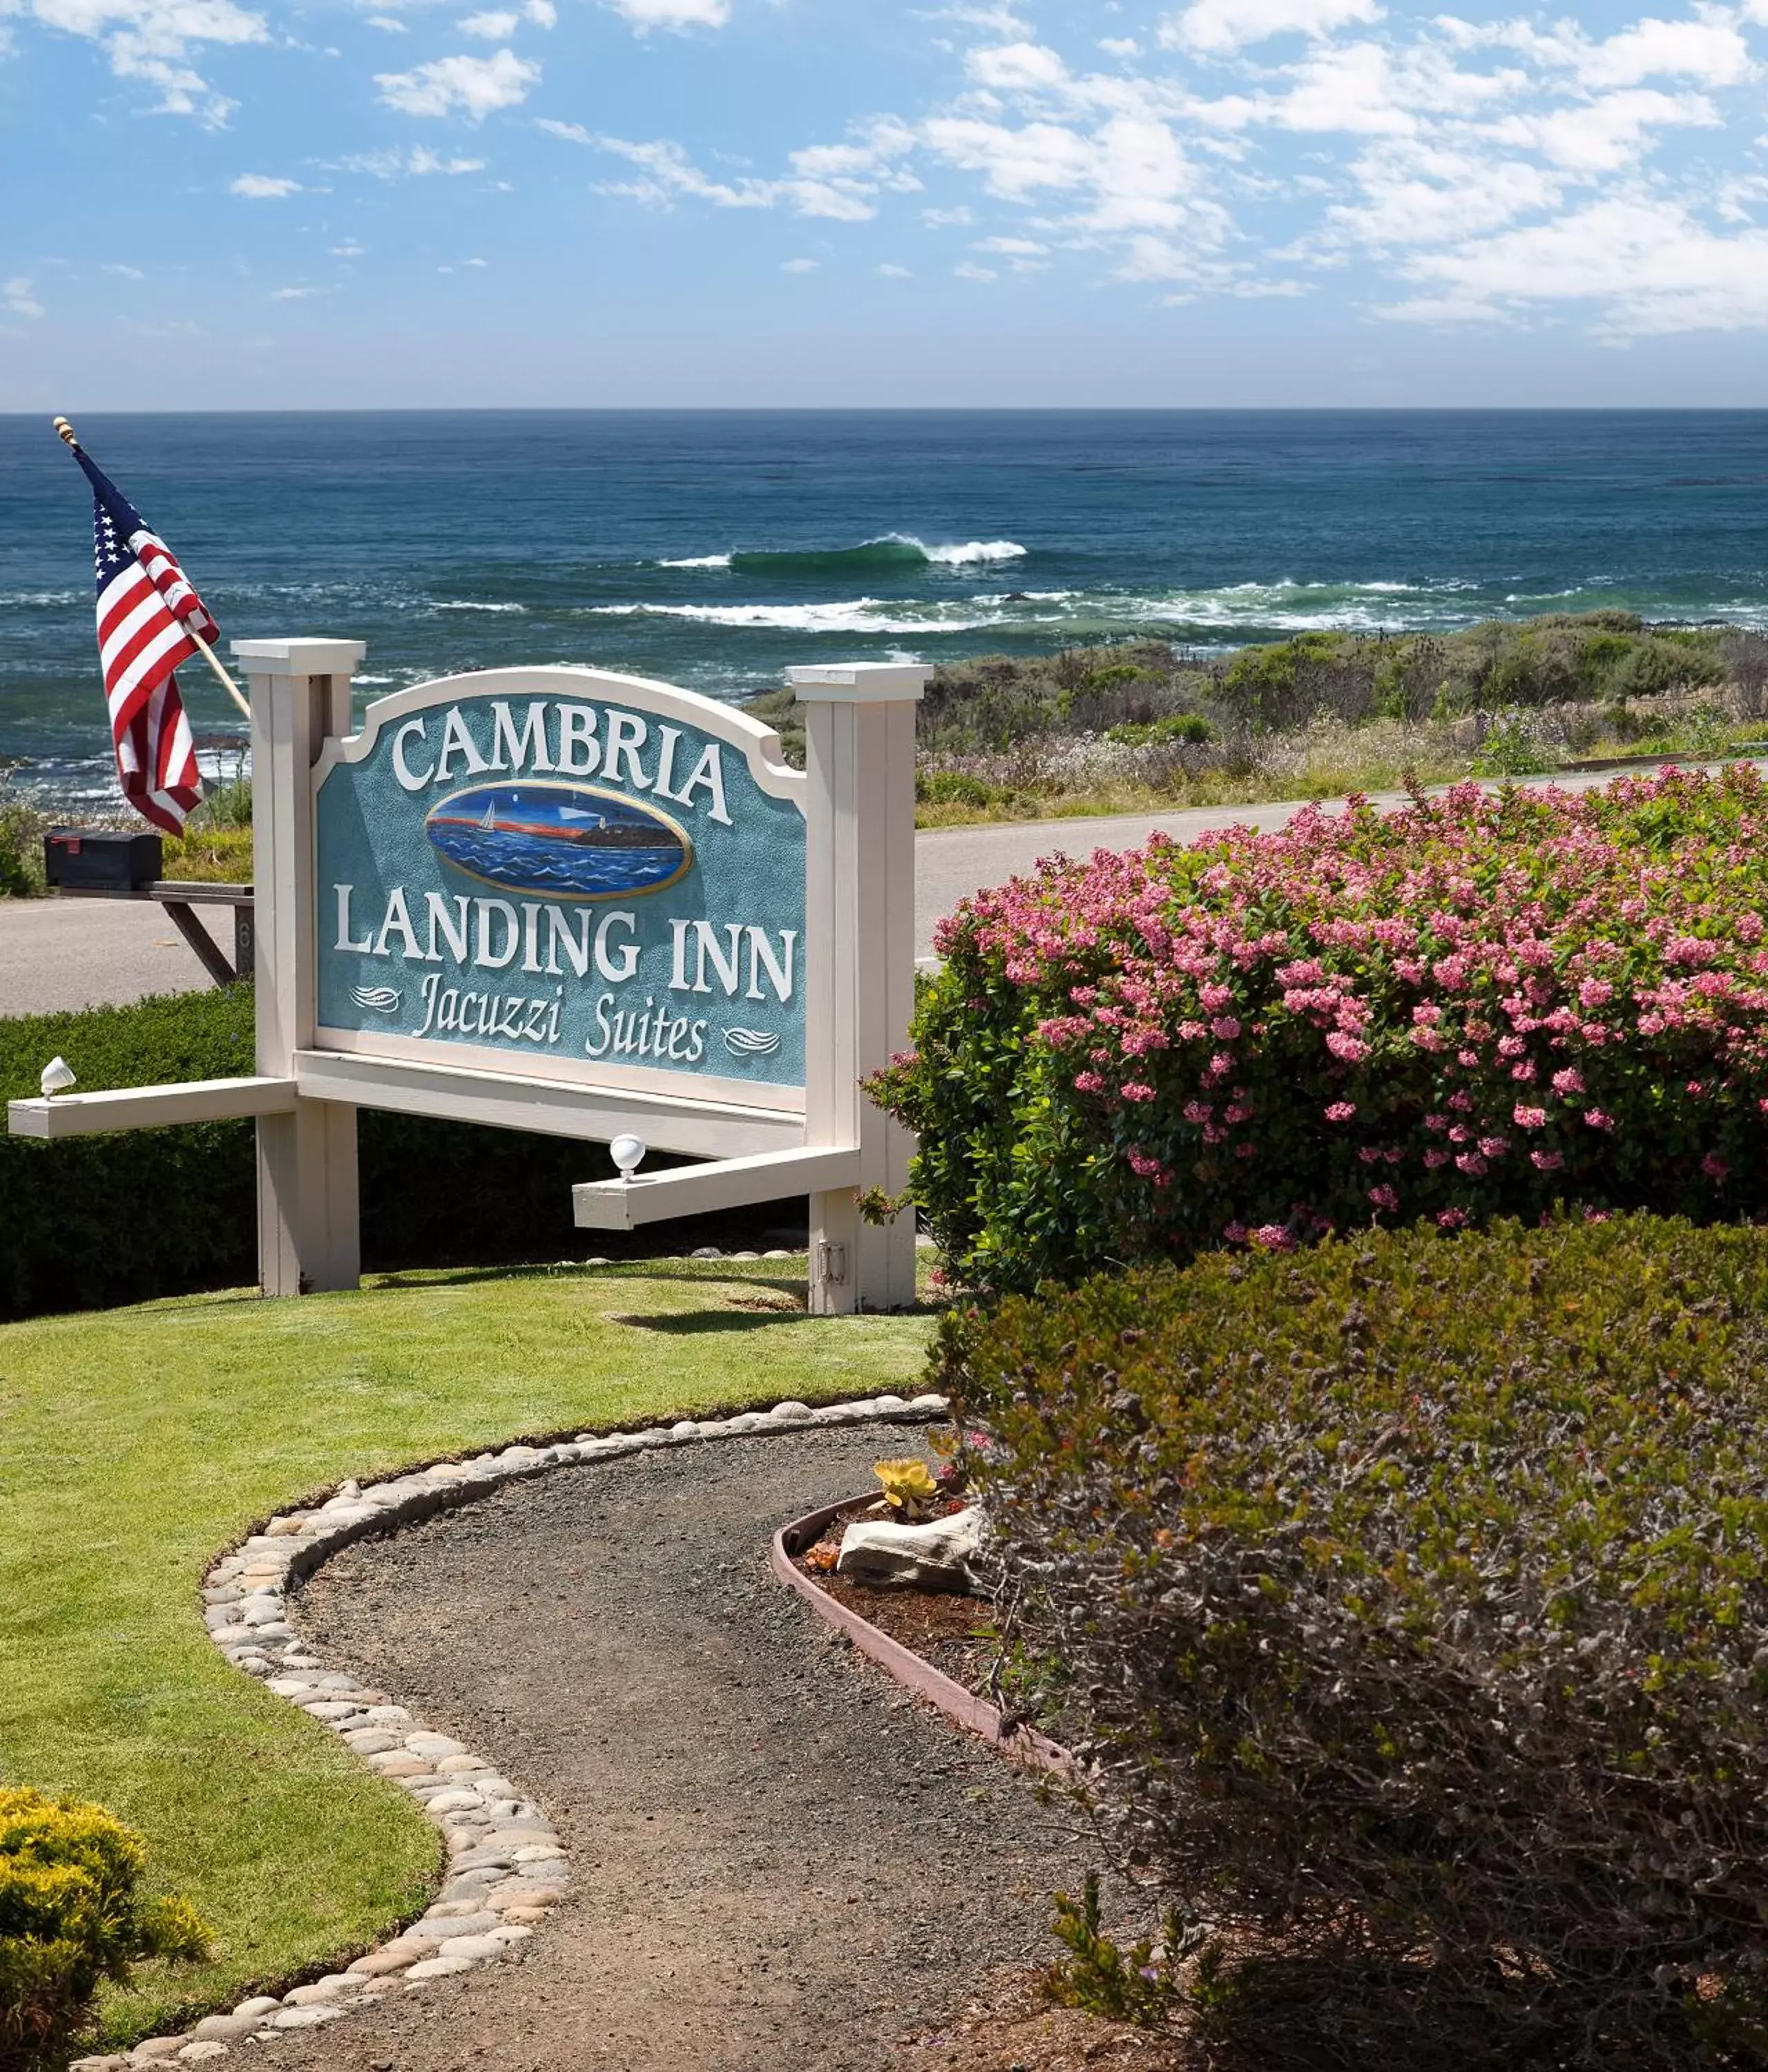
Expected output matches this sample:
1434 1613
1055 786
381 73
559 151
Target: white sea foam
963 553
472 604
969 551
860 614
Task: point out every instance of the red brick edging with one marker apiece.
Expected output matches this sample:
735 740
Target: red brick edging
1021 1744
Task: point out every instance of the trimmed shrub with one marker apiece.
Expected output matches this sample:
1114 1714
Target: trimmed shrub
124 1218
1475 1007
1410 1603
71 1917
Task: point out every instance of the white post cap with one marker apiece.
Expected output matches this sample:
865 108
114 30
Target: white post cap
858 683
300 657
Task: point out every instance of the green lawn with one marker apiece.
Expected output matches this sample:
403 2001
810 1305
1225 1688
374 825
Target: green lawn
135 1443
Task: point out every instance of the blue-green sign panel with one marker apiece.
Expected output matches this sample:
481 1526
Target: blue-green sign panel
565 878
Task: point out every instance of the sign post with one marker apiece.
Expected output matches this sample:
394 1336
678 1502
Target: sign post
860 760
583 904
306 1156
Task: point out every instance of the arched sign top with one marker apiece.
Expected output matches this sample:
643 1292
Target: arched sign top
569 873
567 682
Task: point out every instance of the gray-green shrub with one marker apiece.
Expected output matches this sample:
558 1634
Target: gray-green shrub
1408 1599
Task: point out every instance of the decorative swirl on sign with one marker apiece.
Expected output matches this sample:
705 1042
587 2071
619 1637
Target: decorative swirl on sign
377 999
750 1043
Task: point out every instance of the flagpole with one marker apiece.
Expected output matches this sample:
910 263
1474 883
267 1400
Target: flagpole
65 432
210 657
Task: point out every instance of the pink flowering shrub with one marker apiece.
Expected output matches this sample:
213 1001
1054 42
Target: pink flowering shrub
1476 1006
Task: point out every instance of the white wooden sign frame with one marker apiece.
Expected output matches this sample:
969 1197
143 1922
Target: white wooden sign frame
857 794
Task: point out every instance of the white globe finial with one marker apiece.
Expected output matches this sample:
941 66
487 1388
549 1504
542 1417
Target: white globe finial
627 1153
57 1075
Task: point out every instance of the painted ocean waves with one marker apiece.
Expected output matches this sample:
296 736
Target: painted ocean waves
559 841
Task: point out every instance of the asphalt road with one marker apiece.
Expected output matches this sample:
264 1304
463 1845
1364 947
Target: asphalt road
57 954
63 953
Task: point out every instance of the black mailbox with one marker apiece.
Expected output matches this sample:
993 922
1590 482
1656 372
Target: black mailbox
101 859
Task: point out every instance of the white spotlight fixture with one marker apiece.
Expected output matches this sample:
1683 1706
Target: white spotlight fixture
627 1153
56 1077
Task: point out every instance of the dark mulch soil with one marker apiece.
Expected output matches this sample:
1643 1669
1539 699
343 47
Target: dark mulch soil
781 1859
955 1634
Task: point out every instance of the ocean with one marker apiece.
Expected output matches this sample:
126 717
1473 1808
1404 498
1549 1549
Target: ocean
715 549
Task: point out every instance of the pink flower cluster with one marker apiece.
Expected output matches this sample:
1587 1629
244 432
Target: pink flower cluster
1499 1002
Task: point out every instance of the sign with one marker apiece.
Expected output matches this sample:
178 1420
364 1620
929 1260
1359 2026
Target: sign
584 905
570 873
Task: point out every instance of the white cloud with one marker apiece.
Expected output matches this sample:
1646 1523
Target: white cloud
1017 67
1605 135
349 249
125 272
1648 266
469 86
1522 170
416 163
799 265
1423 194
889 271
496 23
153 41
292 295
1221 25
1710 51
677 15
16 298
390 23
667 174
264 187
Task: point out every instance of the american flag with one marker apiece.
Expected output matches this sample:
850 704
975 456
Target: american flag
147 613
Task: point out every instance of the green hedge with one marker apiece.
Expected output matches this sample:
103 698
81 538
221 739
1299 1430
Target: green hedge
100 1220
1408 1599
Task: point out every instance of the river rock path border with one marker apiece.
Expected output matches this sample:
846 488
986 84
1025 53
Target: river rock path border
506 1864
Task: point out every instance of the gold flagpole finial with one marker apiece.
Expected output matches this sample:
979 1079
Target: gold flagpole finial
65 432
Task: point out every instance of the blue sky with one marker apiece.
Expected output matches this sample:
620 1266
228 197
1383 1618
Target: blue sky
247 203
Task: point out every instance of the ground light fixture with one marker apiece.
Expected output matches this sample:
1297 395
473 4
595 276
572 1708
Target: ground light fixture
58 1075
627 1153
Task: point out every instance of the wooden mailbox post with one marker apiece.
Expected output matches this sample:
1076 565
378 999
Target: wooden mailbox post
578 903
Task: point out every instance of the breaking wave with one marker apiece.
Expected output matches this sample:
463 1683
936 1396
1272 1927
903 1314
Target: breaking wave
859 615
895 554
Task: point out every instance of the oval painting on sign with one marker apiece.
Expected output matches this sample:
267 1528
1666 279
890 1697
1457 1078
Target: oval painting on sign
559 841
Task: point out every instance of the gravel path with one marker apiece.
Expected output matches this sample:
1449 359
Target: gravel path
780 1860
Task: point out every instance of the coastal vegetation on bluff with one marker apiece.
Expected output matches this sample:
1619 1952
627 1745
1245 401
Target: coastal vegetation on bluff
1126 726
1139 724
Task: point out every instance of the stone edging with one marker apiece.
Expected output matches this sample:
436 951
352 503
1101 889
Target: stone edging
506 1864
